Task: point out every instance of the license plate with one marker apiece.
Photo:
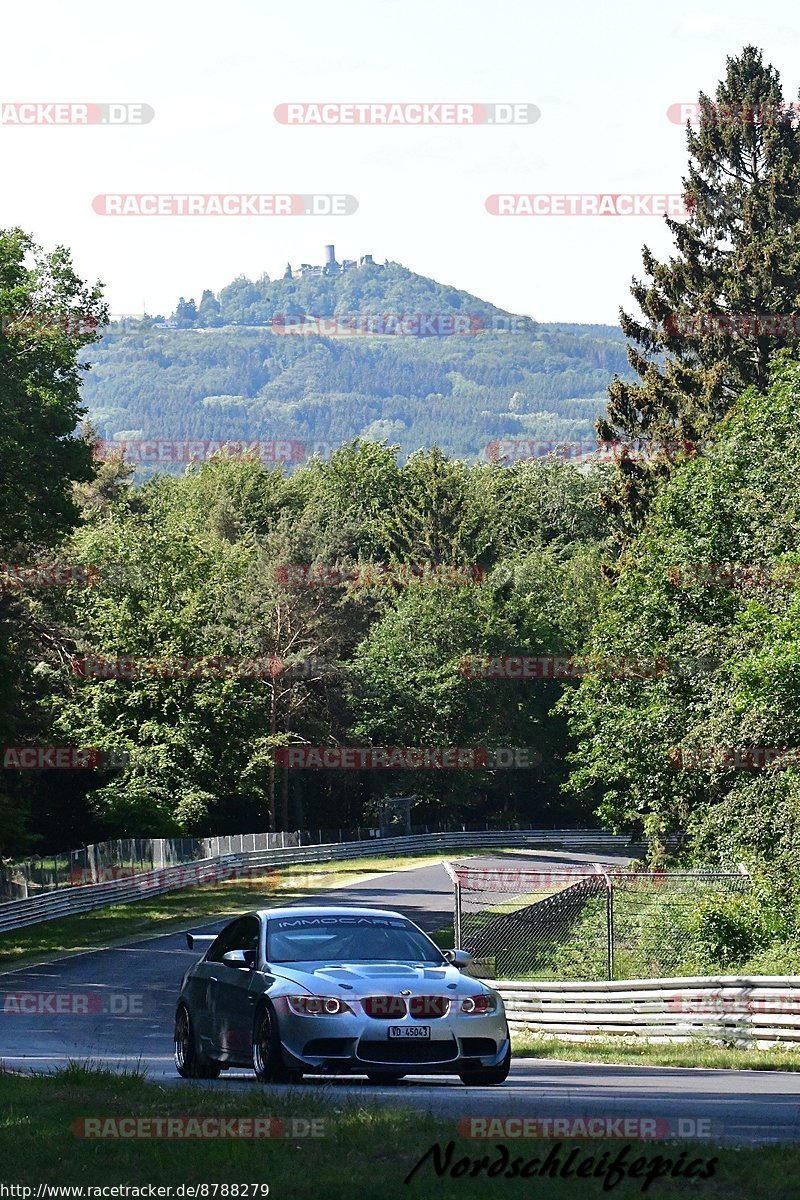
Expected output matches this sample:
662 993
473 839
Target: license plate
410 1031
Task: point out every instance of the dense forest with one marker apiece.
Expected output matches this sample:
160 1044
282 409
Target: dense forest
196 567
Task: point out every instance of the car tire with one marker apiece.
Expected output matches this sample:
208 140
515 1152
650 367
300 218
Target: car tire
488 1076
268 1060
385 1076
190 1063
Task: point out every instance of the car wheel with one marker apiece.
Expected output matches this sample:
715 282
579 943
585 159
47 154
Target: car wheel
189 1062
488 1076
384 1076
268 1061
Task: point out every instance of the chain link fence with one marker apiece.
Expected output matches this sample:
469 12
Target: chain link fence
585 923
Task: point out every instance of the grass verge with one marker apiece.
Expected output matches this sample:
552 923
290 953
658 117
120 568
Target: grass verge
365 1151
627 1051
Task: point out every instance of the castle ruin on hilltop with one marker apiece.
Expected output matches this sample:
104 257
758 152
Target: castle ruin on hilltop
331 266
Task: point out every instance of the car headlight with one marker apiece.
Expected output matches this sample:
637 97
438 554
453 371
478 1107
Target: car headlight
317 1006
479 1006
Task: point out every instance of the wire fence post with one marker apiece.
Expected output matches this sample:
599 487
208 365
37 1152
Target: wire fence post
457 916
609 920
456 903
610 923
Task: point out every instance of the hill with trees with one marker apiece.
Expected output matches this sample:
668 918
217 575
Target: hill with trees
225 369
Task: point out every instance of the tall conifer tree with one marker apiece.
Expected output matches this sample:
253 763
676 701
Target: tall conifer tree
738 254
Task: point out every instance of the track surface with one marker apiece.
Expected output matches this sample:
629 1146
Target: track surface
133 990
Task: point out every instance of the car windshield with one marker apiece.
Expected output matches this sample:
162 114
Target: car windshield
348 939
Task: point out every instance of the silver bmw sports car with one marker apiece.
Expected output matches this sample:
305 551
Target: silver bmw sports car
310 990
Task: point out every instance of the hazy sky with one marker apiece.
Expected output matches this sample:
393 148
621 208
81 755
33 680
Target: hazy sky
603 76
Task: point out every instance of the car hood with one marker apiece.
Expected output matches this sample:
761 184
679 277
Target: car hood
366 977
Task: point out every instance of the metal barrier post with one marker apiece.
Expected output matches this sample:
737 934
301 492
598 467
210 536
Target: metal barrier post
609 919
456 903
610 923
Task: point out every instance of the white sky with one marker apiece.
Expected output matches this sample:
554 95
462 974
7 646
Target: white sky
603 76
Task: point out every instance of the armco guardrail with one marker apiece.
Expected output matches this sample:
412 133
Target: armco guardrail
67 902
14 914
758 1011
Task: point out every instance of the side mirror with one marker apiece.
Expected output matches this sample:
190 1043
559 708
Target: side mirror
244 960
459 958
197 941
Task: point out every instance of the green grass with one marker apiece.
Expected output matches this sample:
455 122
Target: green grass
625 1051
193 905
444 937
366 1152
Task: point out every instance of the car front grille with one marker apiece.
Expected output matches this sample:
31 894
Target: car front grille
407 1051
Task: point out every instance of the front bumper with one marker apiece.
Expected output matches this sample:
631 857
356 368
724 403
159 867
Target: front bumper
357 1044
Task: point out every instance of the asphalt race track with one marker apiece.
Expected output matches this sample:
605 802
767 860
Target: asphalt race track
131 996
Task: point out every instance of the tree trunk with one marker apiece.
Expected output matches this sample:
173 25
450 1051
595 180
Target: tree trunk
285 798
273 725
